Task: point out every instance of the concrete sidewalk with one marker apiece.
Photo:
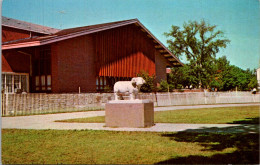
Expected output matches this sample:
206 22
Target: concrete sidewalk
47 122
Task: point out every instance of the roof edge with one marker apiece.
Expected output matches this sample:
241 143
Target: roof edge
21 45
159 42
64 37
84 32
26 29
33 25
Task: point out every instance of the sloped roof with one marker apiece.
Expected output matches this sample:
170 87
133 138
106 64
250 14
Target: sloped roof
83 28
80 31
14 23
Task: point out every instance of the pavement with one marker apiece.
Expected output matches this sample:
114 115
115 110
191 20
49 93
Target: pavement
47 121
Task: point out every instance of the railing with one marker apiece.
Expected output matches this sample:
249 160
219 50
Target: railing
32 103
169 99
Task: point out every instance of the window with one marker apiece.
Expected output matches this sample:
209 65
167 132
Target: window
3 81
9 84
15 82
42 70
43 82
49 82
100 83
97 83
37 83
105 84
24 83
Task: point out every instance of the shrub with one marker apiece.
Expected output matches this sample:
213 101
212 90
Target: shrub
165 87
179 86
148 86
253 83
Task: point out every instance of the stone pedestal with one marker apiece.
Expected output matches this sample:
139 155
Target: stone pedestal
129 113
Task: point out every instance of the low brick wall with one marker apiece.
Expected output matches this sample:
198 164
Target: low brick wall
32 103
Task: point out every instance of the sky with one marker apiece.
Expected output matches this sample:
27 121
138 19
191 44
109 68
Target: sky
238 19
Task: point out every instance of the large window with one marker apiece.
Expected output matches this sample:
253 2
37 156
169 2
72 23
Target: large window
101 83
42 68
15 82
106 84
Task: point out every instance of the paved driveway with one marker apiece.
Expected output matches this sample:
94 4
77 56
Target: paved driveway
47 122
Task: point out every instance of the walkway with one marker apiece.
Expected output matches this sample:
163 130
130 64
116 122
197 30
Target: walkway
48 122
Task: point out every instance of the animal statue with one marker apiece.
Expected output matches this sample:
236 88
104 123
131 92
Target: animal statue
132 87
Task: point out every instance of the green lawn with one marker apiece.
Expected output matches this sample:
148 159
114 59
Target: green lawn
53 111
249 114
108 147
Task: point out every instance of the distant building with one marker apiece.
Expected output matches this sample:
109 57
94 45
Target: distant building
91 58
258 77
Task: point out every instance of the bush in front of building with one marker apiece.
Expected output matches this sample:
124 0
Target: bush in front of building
165 86
148 86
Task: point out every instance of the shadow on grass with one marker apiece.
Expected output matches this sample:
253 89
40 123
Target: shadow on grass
246 144
247 121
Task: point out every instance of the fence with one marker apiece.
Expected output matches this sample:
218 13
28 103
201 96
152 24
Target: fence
167 99
32 103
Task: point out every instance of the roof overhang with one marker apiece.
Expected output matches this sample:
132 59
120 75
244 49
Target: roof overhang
27 26
54 38
173 61
32 30
21 45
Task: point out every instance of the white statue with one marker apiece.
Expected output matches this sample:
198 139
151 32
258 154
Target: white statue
132 87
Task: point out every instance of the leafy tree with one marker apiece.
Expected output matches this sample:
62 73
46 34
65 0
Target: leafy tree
148 86
222 76
235 77
200 43
253 80
182 76
253 83
230 77
221 65
165 87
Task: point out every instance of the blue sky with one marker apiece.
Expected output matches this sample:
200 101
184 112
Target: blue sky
239 19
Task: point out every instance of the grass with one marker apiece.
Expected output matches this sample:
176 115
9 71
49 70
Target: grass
108 147
220 115
97 119
52 111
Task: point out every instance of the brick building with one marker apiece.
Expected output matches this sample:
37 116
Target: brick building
91 58
15 74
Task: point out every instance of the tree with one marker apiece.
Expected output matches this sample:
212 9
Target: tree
215 84
148 86
253 83
182 76
221 66
222 63
235 77
165 86
221 75
200 43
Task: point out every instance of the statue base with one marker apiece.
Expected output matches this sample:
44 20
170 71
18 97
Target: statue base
129 113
